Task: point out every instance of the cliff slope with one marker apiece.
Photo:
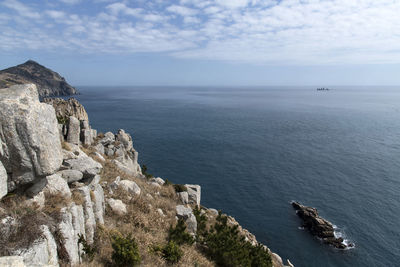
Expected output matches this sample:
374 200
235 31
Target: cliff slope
48 82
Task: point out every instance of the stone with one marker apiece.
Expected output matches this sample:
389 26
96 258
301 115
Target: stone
109 150
158 180
88 166
107 139
99 148
128 168
56 185
43 252
160 212
187 215
69 241
125 139
90 221
30 146
194 192
12 261
86 136
130 187
73 131
154 184
213 212
38 186
98 203
36 201
3 181
117 206
71 175
99 157
85 124
184 197
67 108
318 226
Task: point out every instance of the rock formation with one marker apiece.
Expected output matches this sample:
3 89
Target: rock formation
318 226
67 108
48 82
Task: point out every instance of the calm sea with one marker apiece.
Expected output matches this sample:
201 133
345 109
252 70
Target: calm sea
253 150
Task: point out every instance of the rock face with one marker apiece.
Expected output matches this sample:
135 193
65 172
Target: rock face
3 181
318 226
194 192
30 146
48 82
67 108
187 215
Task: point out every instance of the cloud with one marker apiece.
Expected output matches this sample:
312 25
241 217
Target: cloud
261 32
70 2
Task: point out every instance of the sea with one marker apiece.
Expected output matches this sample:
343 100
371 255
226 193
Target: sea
253 150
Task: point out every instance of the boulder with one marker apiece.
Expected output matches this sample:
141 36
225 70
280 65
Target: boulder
184 197
98 203
187 215
194 192
130 187
3 181
158 180
88 166
214 212
68 239
107 139
12 261
73 131
99 148
117 206
57 186
43 252
318 226
30 146
90 222
125 139
86 136
36 201
71 175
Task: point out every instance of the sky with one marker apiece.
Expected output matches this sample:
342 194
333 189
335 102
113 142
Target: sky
206 42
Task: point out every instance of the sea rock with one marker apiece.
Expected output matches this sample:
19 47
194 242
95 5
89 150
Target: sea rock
130 187
30 146
71 175
318 226
3 180
187 215
117 206
43 252
194 192
88 166
73 135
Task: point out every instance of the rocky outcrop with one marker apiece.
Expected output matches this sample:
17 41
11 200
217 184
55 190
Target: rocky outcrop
48 82
3 181
318 226
67 108
194 193
29 142
187 215
117 206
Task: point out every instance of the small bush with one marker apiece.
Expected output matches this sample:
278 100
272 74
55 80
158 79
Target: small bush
201 223
167 182
89 251
172 252
62 120
179 235
180 188
125 251
144 171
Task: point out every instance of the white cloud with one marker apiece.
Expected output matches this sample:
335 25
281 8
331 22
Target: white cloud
22 9
55 14
70 2
181 10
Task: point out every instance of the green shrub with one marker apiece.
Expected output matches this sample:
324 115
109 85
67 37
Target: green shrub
179 235
88 250
167 182
62 120
201 223
144 171
125 251
171 252
180 188
226 247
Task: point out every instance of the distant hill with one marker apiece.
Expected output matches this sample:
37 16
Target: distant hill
48 82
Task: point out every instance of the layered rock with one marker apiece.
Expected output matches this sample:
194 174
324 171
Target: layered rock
29 142
318 226
67 108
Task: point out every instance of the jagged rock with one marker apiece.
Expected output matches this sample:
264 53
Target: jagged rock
86 136
125 139
30 146
56 185
12 261
318 226
184 197
3 180
213 212
130 187
67 108
187 215
36 201
99 148
49 83
73 135
69 241
43 252
117 206
98 203
88 166
107 139
90 222
158 180
71 175
194 192
124 168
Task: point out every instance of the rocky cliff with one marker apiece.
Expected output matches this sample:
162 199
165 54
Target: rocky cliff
48 82
66 192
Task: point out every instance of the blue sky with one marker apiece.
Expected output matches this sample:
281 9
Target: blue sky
206 42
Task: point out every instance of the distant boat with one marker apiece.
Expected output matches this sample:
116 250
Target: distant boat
323 89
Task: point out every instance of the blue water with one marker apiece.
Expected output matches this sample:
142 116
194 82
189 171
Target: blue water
253 150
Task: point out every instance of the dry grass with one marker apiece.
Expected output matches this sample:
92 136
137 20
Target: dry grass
66 146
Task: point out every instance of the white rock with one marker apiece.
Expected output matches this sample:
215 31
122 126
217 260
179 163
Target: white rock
98 203
125 139
57 186
213 212
187 215
289 263
90 222
29 140
3 181
71 175
73 135
99 148
155 184
107 139
43 252
158 180
12 261
99 156
130 187
159 211
85 164
37 201
194 192
67 233
184 197
117 206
